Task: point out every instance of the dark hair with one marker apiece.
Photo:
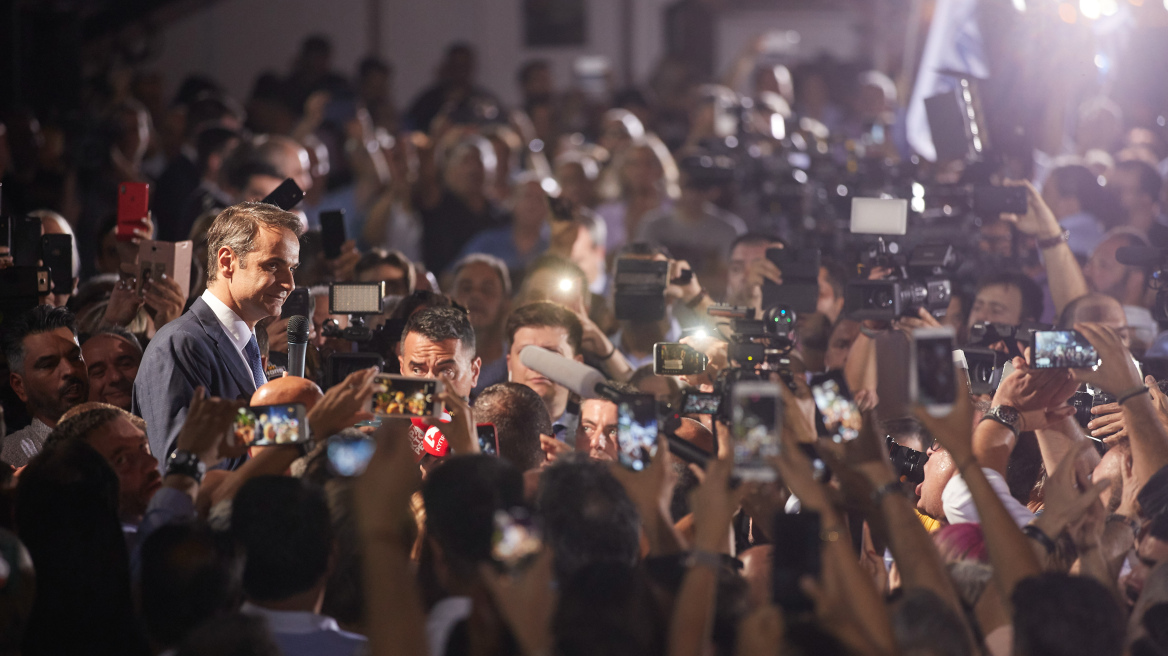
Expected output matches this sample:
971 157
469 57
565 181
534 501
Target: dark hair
237 226
587 516
495 263
67 516
284 525
230 635
189 575
756 238
372 65
78 427
316 43
520 417
1150 181
40 319
439 324
529 68
461 496
924 624
1033 303
540 314
378 256
344 595
906 427
212 140
1059 614
609 608
239 172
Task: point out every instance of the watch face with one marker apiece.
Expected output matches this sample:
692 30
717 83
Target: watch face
1008 414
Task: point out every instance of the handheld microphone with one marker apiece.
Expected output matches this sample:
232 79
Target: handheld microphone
579 378
297 344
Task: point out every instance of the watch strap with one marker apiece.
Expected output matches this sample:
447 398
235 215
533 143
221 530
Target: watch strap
185 463
1050 242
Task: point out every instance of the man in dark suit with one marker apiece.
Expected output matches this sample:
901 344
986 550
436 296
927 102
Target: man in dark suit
252 250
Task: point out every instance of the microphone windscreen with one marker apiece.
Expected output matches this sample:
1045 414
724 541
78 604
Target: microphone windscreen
298 330
580 378
1139 256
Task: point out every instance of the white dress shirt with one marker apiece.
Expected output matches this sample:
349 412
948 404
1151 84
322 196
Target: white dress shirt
237 330
959 506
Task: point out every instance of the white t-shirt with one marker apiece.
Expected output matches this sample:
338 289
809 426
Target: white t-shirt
959 506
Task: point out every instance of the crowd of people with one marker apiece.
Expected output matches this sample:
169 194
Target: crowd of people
135 520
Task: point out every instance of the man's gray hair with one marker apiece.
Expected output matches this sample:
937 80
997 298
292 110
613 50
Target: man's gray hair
237 226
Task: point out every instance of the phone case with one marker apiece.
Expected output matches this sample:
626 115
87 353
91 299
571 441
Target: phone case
133 208
170 257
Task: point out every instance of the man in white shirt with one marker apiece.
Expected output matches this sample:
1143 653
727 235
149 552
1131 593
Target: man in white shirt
252 250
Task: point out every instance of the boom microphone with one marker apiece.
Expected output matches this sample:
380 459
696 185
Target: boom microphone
297 344
579 378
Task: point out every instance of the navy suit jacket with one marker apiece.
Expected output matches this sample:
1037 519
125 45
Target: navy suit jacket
190 351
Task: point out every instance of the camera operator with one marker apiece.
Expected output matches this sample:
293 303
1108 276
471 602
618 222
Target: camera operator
1126 284
635 339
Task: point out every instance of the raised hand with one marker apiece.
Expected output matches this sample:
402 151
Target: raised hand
343 405
1117 372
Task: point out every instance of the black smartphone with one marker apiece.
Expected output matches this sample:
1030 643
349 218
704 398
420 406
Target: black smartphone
796 540
348 456
990 201
837 413
25 243
271 425
694 402
299 302
516 539
5 231
1062 349
636 434
800 288
332 233
286 196
57 254
488 439
673 359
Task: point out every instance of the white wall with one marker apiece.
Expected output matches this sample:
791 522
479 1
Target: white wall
234 40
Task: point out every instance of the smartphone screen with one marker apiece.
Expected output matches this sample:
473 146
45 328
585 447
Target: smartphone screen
700 403
933 373
488 439
26 241
841 418
1062 349
400 396
516 539
636 434
755 422
269 425
796 554
348 456
57 254
332 233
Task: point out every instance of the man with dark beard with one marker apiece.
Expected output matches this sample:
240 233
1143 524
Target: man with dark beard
47 373
112 356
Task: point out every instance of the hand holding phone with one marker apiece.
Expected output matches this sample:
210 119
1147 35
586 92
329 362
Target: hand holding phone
672 359
756 419
1062 349
133 209
516 540
286 196
403 396
932 378
838 414
271 425
637 431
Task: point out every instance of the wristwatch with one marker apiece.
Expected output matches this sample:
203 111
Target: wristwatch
1050 242
1007 416
186 464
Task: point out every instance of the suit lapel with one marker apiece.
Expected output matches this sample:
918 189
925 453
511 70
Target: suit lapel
226 349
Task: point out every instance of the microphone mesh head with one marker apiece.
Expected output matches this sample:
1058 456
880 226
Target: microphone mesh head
298 330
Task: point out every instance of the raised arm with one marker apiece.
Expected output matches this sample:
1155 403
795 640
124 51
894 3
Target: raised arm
1063 273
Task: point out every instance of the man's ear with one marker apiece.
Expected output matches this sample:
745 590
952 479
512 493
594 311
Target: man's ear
225 259
17 383
476 365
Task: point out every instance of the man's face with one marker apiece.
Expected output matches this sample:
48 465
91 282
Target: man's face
997 303
938 470
263 279
840 343
740 260
53 377
1149 552
1106 311
397 281
127 451
448 361
113 364
597 432
1104 273
478 288
554 339
1127 186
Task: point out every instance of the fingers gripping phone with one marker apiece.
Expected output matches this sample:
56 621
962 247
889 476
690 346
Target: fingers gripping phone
488 439
1062 349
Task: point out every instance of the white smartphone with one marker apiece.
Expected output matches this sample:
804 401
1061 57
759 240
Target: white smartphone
932 376
756 420
879 216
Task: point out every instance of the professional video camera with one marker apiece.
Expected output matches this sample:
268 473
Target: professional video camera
639 288
359 300
921 282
